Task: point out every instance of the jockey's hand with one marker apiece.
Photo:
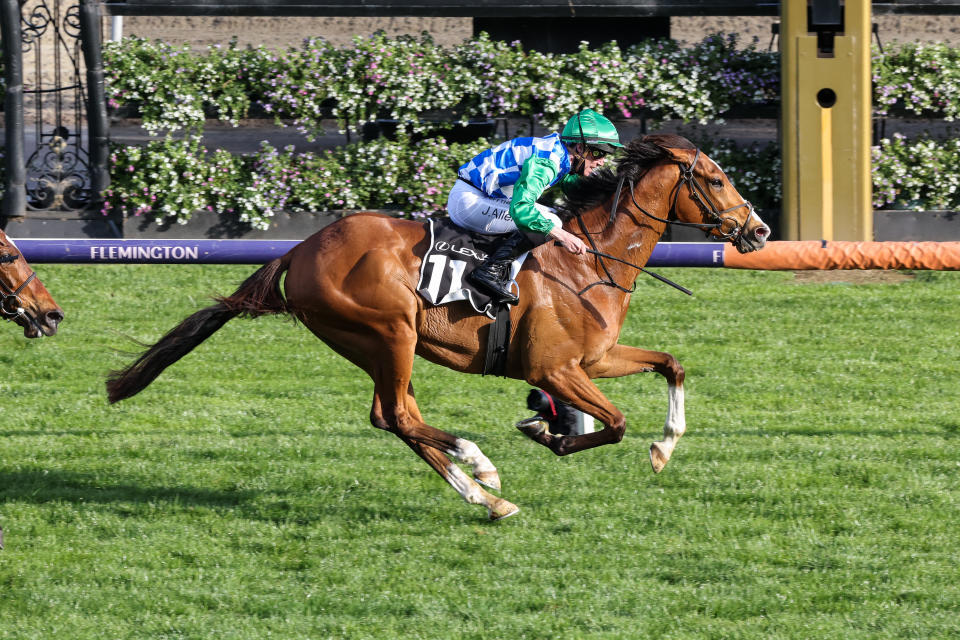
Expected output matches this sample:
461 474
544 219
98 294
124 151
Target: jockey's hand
570 242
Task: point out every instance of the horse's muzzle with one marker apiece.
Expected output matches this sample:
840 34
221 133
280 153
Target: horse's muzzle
752 239
40 324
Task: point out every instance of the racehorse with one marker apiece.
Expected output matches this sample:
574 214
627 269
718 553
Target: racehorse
353 284
23 298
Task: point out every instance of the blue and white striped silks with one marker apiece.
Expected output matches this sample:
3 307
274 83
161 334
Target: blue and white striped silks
496 170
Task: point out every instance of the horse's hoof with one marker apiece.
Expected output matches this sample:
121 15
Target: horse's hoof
489 479
503 509
532 427
657 460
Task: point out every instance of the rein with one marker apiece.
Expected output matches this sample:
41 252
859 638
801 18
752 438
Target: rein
700 197
630 264
610 282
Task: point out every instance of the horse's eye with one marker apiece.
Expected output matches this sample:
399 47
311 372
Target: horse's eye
716 182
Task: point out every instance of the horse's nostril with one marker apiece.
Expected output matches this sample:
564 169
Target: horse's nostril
54 317
761 232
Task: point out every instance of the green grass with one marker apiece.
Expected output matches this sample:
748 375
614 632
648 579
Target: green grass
245 495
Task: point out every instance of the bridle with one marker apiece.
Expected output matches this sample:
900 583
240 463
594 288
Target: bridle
718 221
11 306
717 217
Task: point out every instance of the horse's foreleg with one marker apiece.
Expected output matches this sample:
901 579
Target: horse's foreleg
623 360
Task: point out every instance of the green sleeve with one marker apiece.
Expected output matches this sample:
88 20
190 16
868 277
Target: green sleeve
535 177
566 182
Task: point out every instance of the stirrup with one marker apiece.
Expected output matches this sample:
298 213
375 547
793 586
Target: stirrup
495 290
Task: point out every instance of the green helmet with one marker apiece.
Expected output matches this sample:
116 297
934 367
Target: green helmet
593 129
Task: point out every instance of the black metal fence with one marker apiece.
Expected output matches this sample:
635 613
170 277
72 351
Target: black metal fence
65 169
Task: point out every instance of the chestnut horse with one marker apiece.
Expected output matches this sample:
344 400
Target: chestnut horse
353 284
23 298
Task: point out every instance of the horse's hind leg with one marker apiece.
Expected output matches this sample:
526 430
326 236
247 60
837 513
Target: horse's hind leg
386 353
463 451
460 449
497 508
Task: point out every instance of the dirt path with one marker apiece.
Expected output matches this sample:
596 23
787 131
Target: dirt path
286 32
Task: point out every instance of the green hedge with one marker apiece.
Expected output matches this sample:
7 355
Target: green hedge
407 78
175 179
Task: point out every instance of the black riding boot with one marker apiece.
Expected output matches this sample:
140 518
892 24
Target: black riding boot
492 275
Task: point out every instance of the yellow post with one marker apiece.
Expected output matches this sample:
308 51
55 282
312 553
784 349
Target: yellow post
826 119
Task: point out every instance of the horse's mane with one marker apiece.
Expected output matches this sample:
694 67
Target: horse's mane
636 159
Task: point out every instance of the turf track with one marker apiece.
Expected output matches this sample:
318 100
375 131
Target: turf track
244 494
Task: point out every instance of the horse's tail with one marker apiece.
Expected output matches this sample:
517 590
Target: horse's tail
260 294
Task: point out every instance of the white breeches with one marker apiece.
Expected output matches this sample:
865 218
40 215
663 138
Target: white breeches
474 210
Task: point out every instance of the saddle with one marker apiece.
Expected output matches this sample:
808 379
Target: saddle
452 253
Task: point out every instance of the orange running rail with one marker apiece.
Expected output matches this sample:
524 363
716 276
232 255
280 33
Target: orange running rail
820 254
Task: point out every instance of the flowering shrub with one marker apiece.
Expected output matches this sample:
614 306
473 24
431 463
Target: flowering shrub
662 80
917 79
176 179
295 85
173 88
403 78
173 179
407 78
169 179
499 77
923 175
754 170
736 75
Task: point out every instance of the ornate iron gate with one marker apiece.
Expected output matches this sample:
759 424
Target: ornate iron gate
64 168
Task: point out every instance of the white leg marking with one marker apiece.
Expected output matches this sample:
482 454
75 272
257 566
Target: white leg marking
676 422
676 419
469 453
466 487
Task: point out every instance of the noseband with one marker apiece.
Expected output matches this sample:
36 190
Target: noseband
11 306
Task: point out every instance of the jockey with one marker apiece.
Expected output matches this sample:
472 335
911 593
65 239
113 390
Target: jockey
497 192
